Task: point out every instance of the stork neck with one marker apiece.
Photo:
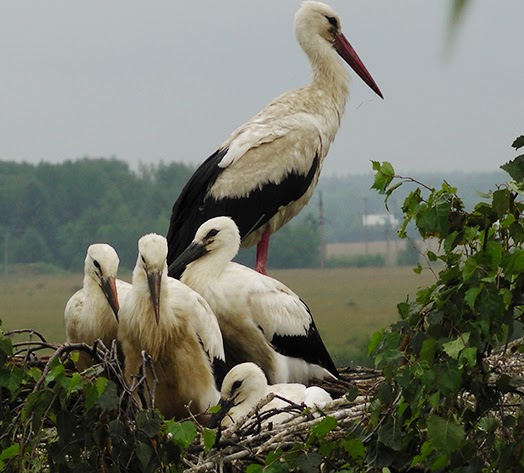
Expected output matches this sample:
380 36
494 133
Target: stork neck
209 266
329 74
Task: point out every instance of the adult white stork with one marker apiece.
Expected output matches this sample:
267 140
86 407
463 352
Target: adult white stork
266 171
245 386
177 328
261 319
92 312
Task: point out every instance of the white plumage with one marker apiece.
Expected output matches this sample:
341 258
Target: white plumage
246 385
261 319
266 171
92 312
176 327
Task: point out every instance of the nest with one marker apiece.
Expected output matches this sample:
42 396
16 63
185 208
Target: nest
254 436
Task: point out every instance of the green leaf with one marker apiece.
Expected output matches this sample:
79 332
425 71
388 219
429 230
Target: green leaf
355 448
56 373
321 429
519 142
515 168
449 378
12 378
254 468
215 409
501 202
10 452
183 433
109 399
309 462
431 256
514 262
144 454
73 384
390 434
469 269
471 296
6 349
444 435
469 355
454 347
374 341
427 351
149 422
352 393
94 390
209 439
383 176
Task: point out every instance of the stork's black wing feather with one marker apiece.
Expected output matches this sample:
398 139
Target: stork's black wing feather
195 206
188 208
310 348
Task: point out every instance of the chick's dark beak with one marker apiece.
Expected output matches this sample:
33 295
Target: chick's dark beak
153 279
109 288
190 254
216 418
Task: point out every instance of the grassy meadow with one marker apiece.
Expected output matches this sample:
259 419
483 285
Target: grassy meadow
348 304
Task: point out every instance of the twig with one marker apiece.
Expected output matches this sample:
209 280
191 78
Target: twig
31 332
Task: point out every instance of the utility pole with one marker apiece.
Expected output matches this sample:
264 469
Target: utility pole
365 222
321 222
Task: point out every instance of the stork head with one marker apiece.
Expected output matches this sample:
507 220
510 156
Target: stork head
244 385
101 265
152 254
218 236
316 20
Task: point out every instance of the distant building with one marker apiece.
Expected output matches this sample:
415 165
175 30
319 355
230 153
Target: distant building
379 220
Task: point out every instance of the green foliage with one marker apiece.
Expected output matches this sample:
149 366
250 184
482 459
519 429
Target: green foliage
446 407
53 418
52 212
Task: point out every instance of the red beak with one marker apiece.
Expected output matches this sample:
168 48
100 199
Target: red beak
349 55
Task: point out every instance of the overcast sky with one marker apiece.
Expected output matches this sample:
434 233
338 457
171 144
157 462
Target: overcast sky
146 81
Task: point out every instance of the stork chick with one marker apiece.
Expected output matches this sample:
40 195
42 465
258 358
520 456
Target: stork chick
246 385
92 312
177 328
266 171
261 319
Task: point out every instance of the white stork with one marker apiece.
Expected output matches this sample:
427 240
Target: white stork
92 312
266 171
261 319
177 328
245 386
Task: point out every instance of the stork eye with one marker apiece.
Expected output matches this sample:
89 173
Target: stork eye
332 21
236 385
97 265
211 233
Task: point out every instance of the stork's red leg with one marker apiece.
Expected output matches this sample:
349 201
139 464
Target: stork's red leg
262 247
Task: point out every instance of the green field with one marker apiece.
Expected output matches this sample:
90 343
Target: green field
348 304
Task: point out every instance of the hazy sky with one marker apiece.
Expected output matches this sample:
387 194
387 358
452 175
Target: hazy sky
169 80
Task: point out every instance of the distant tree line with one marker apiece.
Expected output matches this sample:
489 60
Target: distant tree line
50 213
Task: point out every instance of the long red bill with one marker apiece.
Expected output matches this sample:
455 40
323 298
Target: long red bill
349 55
